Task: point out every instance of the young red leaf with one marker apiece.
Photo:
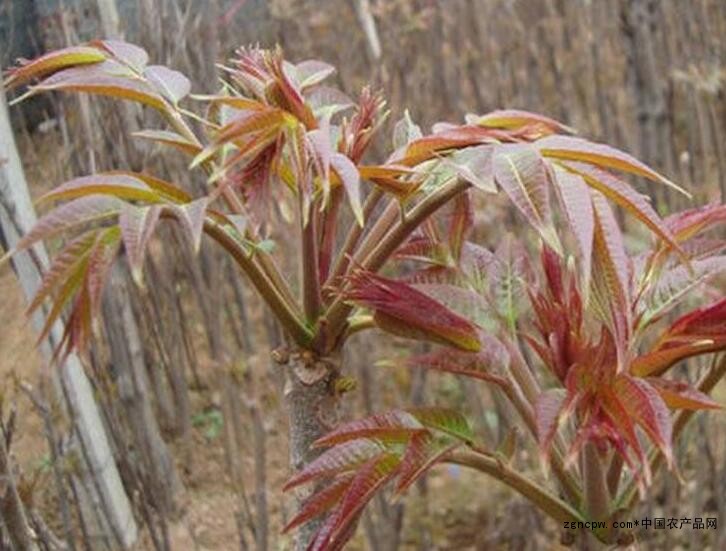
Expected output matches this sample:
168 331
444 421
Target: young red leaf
617 425
108 78
547 412
85 281
84 210
137 226
342 537
460 223
51 62
344 457
121 185
252 132
424 450
281 91
63 266
168 191
249 123
256 156
680 395
191 216
435 275
427 147
486 365
520 172
703 322
400 181
395 425
404 311
77 330
577 149
445 420
348 174
698 332
65 293
575 198
423 248
320 502
625 196
129 54
559 317
458 298
370 477
515 119
100 261
646 406
170 84
611 282
235 102
689 223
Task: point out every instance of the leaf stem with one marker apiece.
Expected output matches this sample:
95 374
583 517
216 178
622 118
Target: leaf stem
267 264
614 472
595 488
354 234
535 493
287 316
516 397
309 264
406 226
391 240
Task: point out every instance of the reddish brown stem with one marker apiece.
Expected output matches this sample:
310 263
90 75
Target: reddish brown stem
309 264
390 241
354 234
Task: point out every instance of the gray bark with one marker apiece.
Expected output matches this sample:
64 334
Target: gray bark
311 413
17 216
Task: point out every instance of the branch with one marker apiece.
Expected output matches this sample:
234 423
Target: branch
406 226
486 463
516 397
391 240
309 264
597 495
267 264
354 234
287 316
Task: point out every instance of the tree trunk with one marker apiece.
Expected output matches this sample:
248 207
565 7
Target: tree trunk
312 411
127 356
643 76
16 218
